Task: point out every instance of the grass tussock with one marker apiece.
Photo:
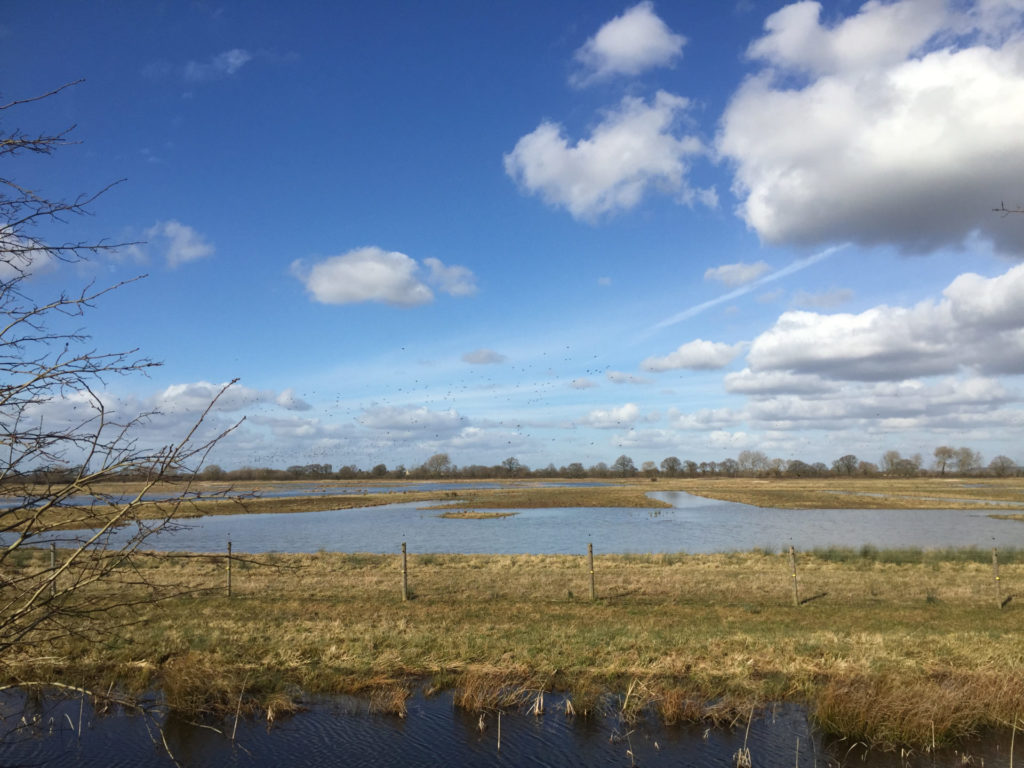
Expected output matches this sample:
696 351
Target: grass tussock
478 691
941 709
390 699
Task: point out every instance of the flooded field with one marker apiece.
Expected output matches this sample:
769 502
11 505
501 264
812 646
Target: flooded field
341 731
693 524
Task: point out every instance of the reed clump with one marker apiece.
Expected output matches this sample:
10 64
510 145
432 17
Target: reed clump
941 708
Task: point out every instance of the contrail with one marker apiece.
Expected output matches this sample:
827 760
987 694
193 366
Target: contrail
796 266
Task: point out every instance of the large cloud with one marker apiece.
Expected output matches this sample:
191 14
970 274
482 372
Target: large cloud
978 324
373 274
629 44
195 397
909 120
635 148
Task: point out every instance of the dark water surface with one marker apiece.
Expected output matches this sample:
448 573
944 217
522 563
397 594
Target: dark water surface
340 732
693 524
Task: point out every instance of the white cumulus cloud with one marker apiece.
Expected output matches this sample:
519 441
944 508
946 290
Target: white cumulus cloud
195 397
978 324
178 242
909 118
292 402
629 44
697 355
635 148
613 418
454 280
22 257
373 274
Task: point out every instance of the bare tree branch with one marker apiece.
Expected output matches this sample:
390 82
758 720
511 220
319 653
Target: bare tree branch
62 442
1006 211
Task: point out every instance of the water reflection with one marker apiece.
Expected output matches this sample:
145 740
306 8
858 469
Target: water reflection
338 731
292 488
692 524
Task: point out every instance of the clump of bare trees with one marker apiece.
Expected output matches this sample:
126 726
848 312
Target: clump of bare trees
61 439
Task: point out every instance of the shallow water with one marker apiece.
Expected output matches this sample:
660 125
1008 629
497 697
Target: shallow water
693 524
293 488
339 731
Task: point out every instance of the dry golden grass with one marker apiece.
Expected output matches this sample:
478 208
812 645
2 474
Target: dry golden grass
859 492
880 651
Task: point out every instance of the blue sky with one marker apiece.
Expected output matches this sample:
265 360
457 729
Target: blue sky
555 231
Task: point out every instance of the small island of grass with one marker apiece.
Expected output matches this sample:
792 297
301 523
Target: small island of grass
474 514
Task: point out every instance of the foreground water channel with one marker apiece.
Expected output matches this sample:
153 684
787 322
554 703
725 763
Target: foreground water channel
341 731
692 524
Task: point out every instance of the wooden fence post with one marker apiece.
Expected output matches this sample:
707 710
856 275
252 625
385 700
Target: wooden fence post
53 568
792 568
995 577
590 562
405 575
229 567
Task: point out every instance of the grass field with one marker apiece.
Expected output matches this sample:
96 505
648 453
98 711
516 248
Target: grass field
887 647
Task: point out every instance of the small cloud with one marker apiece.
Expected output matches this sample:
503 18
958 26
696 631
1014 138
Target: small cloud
150 156
620 377
613 418
604 281
697 355
292 402
222 65
373 274
826 300
455 281
179 242
629 44
22 257
582 384
771 296
483 357
737 274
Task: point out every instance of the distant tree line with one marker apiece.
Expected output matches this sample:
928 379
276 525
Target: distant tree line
947 462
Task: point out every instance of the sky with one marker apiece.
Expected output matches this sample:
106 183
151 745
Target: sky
556 231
